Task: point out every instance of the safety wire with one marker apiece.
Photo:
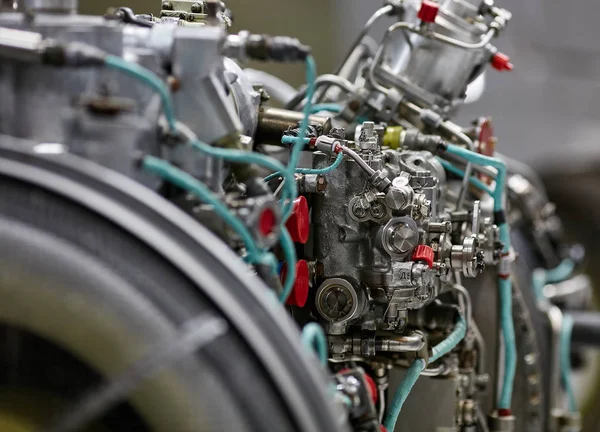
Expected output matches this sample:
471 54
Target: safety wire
539 279
412 373
172 174
504 277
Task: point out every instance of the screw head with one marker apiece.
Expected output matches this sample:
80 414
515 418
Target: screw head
196 8
167 5
378 210
404 238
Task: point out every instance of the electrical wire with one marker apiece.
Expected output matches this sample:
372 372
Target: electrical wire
314 339
414 371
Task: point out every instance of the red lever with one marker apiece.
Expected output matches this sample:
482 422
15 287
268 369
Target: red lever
423 253
299 293
501 62
428 11
298 223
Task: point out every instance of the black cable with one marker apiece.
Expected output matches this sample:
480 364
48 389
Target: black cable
586 328
194 335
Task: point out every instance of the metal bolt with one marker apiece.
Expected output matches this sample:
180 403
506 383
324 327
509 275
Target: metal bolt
197 7
361 207
404 238
321 183
167 6
378 210
397 198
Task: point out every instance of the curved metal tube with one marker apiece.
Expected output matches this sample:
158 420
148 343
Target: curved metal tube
401 344
359 160
379 13
467 300
327 79
486 39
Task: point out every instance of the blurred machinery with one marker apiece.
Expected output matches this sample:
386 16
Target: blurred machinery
405 247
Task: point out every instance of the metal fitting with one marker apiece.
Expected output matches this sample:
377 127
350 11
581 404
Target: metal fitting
366 137
380 180
498 423
400 195
399 237
328 144
312 183
361 207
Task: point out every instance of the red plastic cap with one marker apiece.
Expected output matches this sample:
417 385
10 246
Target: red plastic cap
424 253
501 62
372 387
299 293
504 412
267 222
298 223
383 429
428 11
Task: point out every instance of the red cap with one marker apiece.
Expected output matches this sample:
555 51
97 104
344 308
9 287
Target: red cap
372 387
504 412
383 429
424 253
299 293
267 221
298 224
501 62
428 11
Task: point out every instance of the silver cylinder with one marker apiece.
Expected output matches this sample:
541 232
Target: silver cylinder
52 6
442 70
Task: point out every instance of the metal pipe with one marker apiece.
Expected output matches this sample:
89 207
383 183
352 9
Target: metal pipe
486 39
381 12
274 122
555 318
468 310
400 344
359 160
322 80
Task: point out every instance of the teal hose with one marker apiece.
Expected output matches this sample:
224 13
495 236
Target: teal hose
325 170
539 279
331 107
289 253
406 385
314 339
289 139
412 373
565 360
448 344
318 171
561 272
474 180
185 181
504 281
150 79
311 75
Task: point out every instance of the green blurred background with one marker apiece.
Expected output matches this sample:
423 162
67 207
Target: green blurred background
308 20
